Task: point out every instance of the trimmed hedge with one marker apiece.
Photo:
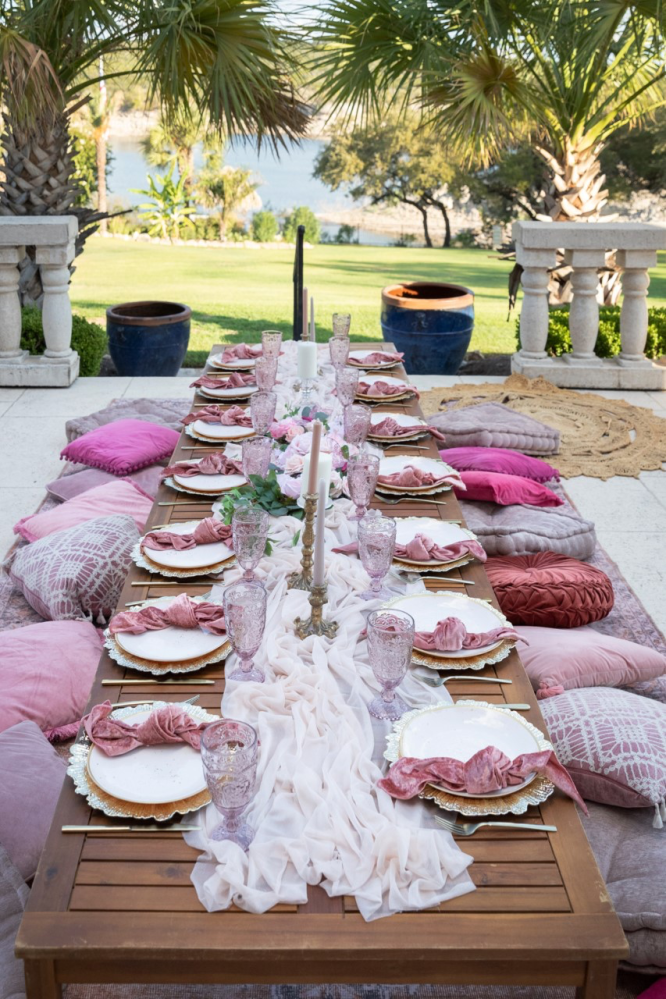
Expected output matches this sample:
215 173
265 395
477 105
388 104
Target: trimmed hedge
608 340
88 339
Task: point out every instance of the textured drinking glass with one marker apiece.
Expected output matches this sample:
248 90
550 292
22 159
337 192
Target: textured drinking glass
271 342
265 373
256 452
376 543
357 423
229 752
362 472
390 641
341 323
245 620
338 347
346 383
262 411
249 530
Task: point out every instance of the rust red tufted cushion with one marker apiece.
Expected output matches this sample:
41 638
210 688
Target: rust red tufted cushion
550 590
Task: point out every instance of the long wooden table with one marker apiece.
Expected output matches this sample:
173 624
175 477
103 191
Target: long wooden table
121 908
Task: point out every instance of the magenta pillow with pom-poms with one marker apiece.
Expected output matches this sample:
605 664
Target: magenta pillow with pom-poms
498 459
122 447
494 487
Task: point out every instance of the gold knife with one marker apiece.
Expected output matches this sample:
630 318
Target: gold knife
131 829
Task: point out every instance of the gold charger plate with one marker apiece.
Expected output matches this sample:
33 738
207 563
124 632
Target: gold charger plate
140 558
384 398
413 490
243 393
467 662
423 567
169 481
222 441
400 439
124 658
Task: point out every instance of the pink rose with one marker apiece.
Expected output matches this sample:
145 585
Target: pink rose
290 487
301 444
293 464
294 431
279 429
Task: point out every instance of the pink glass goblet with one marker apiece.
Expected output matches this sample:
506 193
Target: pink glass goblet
346 384
362 473
376 544
245 620
262 411
256 452
229 753
249 530
338 347
271 342
341 323
357 423
390 641
265 373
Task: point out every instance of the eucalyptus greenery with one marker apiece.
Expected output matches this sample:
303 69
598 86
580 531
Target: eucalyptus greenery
265 493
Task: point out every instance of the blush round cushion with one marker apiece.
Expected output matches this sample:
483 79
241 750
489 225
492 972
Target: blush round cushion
497 487
498 459
550 590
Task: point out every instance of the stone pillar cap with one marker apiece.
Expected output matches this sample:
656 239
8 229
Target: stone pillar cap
38 230
589 235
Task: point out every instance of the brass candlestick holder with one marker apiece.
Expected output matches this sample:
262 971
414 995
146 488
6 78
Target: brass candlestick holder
315 624
303 580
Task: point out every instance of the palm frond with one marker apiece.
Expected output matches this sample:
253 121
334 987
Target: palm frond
27 78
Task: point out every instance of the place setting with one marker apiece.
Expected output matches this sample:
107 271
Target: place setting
415 475
238 357
210 475
379 388
374 360
188 549
427 544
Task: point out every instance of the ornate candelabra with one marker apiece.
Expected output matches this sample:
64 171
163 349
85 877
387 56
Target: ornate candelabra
315 624
303 580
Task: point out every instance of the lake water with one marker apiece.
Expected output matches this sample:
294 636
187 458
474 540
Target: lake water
284 183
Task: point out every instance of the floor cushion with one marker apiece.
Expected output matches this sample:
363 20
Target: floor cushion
630 855
67 487
613 744
497 487
46 672
550 590
30 780
13 897
118 496
498 459
78 573
163 412
122 447
521 530
490 424
562 659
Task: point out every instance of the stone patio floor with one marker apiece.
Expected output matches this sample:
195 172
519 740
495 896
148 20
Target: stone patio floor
630 514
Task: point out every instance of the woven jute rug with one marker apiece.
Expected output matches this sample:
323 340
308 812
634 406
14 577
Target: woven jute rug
598 437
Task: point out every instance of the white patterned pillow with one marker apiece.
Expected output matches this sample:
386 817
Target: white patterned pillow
78 573
613 744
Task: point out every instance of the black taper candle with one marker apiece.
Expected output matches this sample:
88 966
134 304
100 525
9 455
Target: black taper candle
298 284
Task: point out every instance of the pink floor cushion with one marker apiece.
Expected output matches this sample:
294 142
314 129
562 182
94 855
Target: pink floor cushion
163 412
76 574
522 530
613 744
66 487
30 780
550 590
630 855
118 496
46 672
559 660
490 424
122 447
13 897
498 459
497 487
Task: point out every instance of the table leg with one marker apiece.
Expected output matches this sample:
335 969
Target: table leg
600 981
40 980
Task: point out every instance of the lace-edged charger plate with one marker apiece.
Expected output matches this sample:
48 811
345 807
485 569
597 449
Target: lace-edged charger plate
202 560
216 433
440 531
468 727
164 770
397 462
204 485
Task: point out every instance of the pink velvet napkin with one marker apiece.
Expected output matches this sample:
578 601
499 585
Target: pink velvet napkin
376 357
234 416
212 464
207 532
116 737
423 549
391 428
451 634
235 380
182 613
488 770
410 475
380 389
240 352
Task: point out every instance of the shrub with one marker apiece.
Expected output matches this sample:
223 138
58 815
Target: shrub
301 216
88 339
466 238
264 227
608 339
405 239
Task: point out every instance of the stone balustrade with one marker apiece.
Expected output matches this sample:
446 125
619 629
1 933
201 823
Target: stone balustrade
585 245
53 238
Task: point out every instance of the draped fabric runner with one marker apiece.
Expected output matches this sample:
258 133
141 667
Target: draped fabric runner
116 737
235 416
391 428
376 357
211 464
423 549
182 613
382 388
241 352
207 532
450 634
486 771
235 380
411 475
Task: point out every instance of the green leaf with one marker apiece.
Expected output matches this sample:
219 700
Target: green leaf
295 539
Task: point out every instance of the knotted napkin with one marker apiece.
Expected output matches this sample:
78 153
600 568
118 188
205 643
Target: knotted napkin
241 352
115 737
376 357
423 549
235 416
182 613
207 532
486 771
235 380
391 428
411 475
212 464
380 389
450 634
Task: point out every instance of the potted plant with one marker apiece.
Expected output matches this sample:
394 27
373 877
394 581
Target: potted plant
148 338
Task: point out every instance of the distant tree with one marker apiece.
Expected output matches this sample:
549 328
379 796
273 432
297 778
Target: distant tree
265 227
228 190
174 141
510 189
167 211
635 158
301 216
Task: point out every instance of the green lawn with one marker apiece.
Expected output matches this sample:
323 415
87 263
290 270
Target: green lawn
236 293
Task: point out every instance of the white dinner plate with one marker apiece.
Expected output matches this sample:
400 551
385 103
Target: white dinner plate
193 558
229 393
170 645
389 379
458 731
360 355
150 775
429 608
444 534
396 463
240 364
402 419
218 432
212 485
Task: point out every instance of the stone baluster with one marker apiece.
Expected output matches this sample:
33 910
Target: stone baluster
584 313
56 308
534 311
634 313
10 307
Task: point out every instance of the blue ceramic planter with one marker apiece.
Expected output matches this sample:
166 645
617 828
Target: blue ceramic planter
148 338
430 322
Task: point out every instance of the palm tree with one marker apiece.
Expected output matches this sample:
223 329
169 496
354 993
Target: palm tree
230 60
174 141
228 189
